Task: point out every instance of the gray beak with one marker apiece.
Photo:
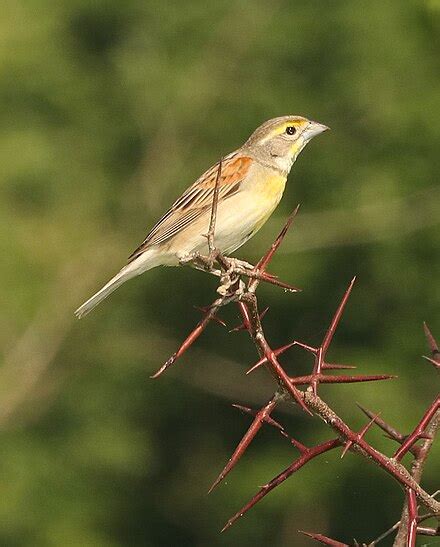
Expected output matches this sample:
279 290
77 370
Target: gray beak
313 129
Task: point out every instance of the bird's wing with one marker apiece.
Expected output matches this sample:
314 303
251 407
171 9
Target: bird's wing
197 199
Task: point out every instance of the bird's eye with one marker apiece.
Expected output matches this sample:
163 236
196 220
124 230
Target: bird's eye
290 130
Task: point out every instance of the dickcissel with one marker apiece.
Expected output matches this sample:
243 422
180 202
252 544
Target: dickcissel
251 183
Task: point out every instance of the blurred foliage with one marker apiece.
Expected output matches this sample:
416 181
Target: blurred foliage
108 110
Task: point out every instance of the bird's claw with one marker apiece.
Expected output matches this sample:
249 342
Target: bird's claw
236 263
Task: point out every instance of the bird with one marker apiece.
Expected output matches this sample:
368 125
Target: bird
250 183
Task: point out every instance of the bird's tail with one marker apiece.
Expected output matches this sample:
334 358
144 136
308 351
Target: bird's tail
144 262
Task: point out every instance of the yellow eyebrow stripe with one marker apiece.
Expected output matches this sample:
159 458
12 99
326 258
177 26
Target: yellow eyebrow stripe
282 128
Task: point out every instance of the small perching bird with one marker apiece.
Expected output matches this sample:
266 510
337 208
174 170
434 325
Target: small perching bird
250 185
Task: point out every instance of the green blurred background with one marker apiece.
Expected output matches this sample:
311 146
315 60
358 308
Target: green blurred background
108 110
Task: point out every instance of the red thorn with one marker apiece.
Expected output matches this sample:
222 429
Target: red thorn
341 379
277 352
166 365
336 366
272 280
270 421
257 365
245 314
263 313
321 351
360 435
245 441
269 275
268 255
279 372
244 409
337 317
433 361
272 363
390 431
433 346
311 349
418 431
305 457
264 261
205 309
324 539
188 342
241 326
347 447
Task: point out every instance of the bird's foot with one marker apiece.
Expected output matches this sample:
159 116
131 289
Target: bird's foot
202 262
237 263
231 285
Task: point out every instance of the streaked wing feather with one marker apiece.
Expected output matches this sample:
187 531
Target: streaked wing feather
197 199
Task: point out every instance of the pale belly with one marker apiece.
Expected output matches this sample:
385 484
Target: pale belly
238 219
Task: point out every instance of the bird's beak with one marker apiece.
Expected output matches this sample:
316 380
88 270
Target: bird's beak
313 129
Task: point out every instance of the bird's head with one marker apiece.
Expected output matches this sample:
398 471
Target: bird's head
280 140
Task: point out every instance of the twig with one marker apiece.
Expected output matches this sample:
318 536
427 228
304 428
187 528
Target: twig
359 436
277 352
213 219
384 535
424 531
242 327
255 329
412 518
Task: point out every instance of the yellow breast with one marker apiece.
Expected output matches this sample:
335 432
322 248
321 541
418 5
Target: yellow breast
268 189
268 193
273 187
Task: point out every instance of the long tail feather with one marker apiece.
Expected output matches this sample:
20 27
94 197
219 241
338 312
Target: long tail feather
141 264
93 301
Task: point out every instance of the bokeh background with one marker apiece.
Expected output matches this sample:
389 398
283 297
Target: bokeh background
108 110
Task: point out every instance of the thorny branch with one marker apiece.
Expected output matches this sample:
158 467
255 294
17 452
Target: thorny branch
234 289
422 530
426 429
